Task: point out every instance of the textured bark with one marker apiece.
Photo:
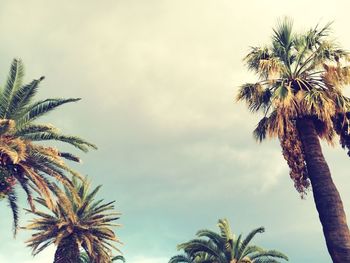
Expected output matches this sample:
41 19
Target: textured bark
67 251
327 199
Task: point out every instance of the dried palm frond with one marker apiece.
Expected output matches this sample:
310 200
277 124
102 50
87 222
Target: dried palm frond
293 153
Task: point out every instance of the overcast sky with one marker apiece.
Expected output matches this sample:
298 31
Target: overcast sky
158 78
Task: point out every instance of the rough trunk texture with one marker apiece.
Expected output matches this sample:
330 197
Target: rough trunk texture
326 196
67 252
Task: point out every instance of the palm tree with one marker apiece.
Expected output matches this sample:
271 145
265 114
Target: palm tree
74 223
211 247
301 77
22 160
84 258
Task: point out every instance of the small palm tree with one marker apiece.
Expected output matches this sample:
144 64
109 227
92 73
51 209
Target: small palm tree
22 160
74 223
224 247
300 93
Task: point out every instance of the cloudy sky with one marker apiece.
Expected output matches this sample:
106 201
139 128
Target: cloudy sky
158 78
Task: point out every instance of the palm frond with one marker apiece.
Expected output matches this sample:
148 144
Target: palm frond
269 253
12 202
21 97
41 108
249 238
14 81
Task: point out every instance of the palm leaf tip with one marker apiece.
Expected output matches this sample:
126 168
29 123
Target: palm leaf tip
283 32
12 203
70 157
261 129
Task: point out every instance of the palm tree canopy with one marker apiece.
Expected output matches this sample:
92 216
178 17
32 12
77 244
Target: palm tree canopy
22 160
225 247
300 76
81 219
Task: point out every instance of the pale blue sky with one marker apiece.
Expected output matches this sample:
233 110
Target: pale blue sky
158 80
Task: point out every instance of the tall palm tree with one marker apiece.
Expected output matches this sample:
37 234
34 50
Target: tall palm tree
300 92
74 223
22 160
224 247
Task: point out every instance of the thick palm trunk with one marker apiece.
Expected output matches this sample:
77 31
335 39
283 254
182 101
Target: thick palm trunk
67 252
326 196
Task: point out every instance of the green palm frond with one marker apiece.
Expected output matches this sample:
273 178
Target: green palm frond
283 35
186 258
248 238
251 249
213 236
22 97
266 260
255 96
225 229
269 253
14 81
236 248
12 202
196 246
35 128
261 130
41 108
254 57
52 135
180 259
119 257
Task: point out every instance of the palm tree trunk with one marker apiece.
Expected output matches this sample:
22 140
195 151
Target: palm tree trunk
67 251
326 196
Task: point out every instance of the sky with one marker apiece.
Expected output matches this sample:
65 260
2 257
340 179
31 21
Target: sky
157 80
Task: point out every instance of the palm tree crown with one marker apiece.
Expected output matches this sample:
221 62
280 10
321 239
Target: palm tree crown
300 76
22 160
75 222
225 247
